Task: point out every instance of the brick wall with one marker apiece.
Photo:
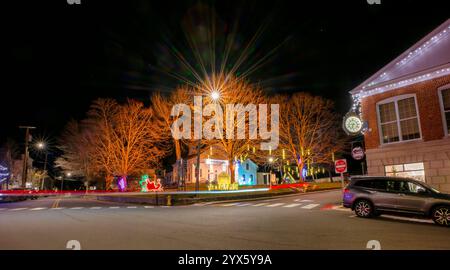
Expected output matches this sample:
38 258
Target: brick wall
428 105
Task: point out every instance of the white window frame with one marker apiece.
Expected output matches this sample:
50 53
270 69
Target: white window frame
395 99
441 104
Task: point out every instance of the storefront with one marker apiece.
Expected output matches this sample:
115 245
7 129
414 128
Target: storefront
404 111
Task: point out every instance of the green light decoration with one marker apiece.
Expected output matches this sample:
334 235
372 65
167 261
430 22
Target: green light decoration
143 183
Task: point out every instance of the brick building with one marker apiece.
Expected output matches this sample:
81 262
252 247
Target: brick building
406 105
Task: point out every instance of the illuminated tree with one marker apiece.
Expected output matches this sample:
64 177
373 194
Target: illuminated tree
309 130
125 140
232 90
162 119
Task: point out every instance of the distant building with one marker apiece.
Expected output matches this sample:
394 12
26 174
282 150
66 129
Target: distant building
212 163
407 107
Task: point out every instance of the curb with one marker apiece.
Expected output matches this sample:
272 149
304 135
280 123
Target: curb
278 196
162 199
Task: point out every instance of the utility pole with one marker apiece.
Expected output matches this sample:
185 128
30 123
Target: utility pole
45 170
25 158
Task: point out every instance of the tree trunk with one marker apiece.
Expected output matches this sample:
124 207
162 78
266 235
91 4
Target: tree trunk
232 172
177 149
330 175
179 167
109 179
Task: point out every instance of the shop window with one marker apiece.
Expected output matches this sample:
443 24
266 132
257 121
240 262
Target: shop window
411 170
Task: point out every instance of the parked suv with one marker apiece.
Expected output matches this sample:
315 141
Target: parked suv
372 196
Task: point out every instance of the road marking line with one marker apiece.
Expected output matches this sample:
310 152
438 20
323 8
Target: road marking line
148 206
341 208
56 203
131 207
408 219
310 206
243 204
38 208
300 200
96 207
17 209
77 208
2 208
114 207
228 204
57 208
260 204
275 204
293 205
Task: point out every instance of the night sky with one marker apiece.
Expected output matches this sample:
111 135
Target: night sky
59 57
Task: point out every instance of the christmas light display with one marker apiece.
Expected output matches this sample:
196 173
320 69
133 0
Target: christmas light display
122 184
148 185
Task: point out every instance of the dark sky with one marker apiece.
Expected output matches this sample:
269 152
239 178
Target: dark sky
59 57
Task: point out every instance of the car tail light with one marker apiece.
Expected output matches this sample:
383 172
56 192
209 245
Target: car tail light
346 190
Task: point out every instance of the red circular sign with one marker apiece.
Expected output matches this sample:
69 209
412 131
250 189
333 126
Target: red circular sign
340 166
358 153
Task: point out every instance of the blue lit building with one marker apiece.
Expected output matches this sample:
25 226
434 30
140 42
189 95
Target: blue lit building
246 172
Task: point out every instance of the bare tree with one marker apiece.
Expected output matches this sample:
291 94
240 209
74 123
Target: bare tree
162 119
233 90
125 139
77 145
309 129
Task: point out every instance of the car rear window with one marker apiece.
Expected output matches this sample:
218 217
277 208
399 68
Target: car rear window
373 184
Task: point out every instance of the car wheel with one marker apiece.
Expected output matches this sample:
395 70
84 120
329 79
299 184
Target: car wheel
363 208
441 215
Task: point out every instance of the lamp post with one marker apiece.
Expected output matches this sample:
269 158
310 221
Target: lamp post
42 146
25 158
69 174
215 96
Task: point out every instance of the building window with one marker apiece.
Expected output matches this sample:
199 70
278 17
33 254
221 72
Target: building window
445 106
398 119
412 170
247 167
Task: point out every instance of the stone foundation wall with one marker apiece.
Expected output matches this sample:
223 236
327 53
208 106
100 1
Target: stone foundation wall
434 154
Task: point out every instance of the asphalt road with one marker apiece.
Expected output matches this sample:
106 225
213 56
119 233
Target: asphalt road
304 221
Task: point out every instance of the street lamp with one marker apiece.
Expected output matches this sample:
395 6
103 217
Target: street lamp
43 146
215 95
68 174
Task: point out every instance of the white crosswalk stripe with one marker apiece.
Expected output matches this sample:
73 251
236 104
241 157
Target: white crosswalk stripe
2 209
340 208
114 207
243 204
57 208
229 204
275 204
17 209
292 205
300 200
260 204
310 206
131 207
96 207
148 206
38 208
76 208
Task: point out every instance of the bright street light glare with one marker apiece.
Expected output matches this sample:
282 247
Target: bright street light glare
215 95
40 145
